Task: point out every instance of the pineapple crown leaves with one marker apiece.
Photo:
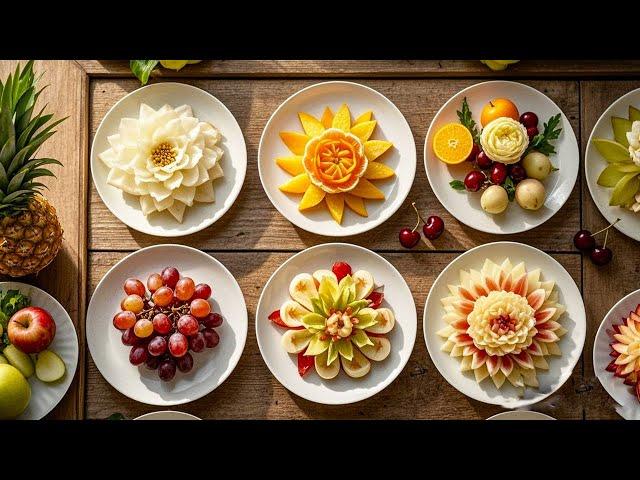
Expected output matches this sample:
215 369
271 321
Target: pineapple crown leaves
21 135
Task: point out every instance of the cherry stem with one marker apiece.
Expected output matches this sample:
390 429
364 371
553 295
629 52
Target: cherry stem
413 204
606 235
605 229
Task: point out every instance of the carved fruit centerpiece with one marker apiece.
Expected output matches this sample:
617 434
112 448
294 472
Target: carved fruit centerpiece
625 349
502 321
334 319
334 162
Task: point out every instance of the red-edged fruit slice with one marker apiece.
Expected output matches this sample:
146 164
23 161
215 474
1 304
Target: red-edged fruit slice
376 299
305 362
275 318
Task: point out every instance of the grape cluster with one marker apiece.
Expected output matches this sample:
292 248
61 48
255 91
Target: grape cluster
166 320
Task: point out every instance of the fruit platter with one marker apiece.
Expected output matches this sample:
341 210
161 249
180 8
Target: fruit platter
501 157
167 340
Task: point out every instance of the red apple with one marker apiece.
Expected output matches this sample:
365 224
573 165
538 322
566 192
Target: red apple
31 329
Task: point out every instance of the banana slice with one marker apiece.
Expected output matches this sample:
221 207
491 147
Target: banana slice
364 284
295 341
302 289
358 366
379 350
319 274
326 372
292 312
386 322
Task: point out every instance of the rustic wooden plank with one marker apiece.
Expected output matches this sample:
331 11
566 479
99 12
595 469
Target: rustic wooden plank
420 392
375 68
603 287
253 223
65 277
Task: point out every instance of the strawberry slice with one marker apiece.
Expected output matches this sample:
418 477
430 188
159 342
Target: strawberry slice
305 362
341 270
612 366
376 299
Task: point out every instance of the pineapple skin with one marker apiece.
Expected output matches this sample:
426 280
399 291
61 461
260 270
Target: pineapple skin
30 240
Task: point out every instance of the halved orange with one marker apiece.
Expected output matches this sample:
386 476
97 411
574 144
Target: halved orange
452 143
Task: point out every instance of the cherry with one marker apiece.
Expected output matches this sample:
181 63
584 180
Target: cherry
498 173
475 150
409 238
583 240
474 180
532 132
601 255
517 172
483 161
433 227
529 119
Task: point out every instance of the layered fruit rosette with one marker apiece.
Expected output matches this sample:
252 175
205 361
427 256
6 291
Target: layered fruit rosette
334 319
502 321
625 350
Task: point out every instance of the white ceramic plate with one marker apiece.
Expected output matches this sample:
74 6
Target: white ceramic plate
615 387
207 108
167 415
211 366
342 389
594 163
521 415
465 206
391 126
573 320
45 396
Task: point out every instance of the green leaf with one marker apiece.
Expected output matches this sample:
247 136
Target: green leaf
12 197
16 182
457 184
509 186
319 306
328 289
550 132
466 119
345 348
610 176
361 339
367 317
36 173
358 305
332 353
314 320
316 345
142 69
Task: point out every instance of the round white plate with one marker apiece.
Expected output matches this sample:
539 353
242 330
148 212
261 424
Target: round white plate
167 415
342 389
520 415
594 163
211 366
45 396
574 320
465 206
391 126
615 387
207 108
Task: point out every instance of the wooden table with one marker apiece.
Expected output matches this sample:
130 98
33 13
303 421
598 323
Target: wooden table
243 239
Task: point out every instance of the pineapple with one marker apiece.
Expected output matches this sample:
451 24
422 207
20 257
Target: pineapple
30 233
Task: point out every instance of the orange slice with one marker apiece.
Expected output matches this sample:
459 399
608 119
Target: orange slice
452 143
356 204
292 165
335 204
327 117
313 196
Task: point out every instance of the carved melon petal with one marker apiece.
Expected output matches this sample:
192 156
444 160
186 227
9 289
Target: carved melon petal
335 204
297 184
364 130
295 141
374 148
291 165
327 118
378 171
312 197
310 124
342 119
365 117
366 189
536 298
356 204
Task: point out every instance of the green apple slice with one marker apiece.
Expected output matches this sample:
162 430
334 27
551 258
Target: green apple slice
317 345
620 128
49 367
610 176
611 151
20 360
634 114
625 189
3 360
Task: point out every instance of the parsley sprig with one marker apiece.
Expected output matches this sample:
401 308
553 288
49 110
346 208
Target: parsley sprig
467 120
541 141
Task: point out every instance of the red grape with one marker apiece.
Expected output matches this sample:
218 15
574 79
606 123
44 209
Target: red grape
211 338
200 308
517 172
483 161
143 328
203 291
133 303
162 324
532 132
529 119
185 363
474 180
178 345
152 362
170 276
133 286
197 342
188 325
137 355
498 173
154 282
185 288
212 320
475 150
163 296
124 320
129 338
157 346
167 369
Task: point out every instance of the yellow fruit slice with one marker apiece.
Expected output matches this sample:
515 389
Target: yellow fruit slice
356 204
365 117
297 184
374 148
378 171
291 165
310 124
452 143
364 130
335 204
366 189
342 120
327 117
294 141
312 197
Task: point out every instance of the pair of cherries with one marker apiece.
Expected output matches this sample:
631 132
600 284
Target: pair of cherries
432 229
585 241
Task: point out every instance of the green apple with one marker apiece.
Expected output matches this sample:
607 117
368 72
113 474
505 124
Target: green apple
20 360
49 367
15 392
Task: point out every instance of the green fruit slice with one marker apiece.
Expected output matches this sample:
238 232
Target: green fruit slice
313 320
610 176
3 360
20 360
620 128
49 367
345 348
625 189
611 151
317 346
634 114
626 167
